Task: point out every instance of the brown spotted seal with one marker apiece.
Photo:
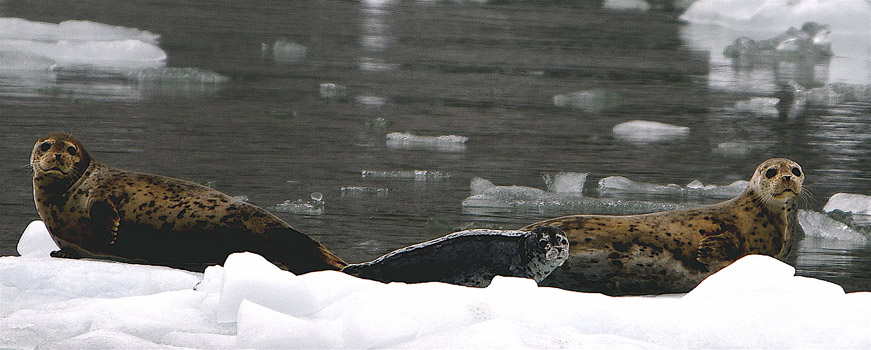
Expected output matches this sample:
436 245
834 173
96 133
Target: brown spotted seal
472 258
96 211
672 251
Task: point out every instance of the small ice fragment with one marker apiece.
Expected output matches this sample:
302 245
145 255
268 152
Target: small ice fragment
333 91
313 207
849 202
626 5
417 175
822 226
371 101
648 131
378 123
288 52
758 106
317 196
480 186
591 101
242 198
566 182
36 240
445 143
360 190
176 75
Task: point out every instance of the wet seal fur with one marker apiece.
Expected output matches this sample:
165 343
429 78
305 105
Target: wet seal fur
95 211
672 251
471 258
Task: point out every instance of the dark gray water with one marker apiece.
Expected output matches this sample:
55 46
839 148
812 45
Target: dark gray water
487 72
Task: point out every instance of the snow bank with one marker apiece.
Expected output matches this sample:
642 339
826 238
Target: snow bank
758 302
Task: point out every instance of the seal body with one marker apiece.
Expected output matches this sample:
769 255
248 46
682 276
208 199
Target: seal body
471 258
672 251
96 211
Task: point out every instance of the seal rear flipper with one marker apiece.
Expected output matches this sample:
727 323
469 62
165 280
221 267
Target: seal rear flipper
105 219
297 252
717 249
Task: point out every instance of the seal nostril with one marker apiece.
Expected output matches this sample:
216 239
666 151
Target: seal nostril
57 156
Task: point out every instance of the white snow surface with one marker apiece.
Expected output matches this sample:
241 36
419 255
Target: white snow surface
52 303
71 44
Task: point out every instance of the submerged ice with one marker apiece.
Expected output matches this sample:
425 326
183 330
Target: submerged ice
249 303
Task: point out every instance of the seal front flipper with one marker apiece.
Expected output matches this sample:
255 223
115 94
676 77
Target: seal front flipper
717 249
104 217
63 254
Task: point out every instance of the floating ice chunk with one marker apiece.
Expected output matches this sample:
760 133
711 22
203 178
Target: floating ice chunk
24 61
288 52
836 93
260 327
626 5
849 202
822 226
486 198
121 54
565 182
36 240
811 41
333 91
362 190
313 207
620 184
843 15
444 143
248 276
175 75
591 101
644 131
22 29
759 106
371 101
417 175
379 122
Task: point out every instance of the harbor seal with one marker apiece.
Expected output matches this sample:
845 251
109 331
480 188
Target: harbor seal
471 258
95 211
672 251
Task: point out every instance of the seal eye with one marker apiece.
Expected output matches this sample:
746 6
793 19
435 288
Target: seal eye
796 172
770 173
72 150
543 243
45 146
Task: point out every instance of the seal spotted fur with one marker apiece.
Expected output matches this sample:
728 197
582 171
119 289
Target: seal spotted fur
672 251
471 258
95 211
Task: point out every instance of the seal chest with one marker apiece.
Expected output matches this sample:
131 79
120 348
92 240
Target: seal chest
672 251
471 258
96 211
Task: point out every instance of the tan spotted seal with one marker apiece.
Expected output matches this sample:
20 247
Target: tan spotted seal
96 211
672 251
472 258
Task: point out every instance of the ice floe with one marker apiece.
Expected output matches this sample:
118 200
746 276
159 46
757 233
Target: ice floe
417 175
757 302
315 206
643 131
487 198
849 202
620 184
444 143
71 44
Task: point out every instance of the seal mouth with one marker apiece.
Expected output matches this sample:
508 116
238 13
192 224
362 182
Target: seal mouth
54 170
